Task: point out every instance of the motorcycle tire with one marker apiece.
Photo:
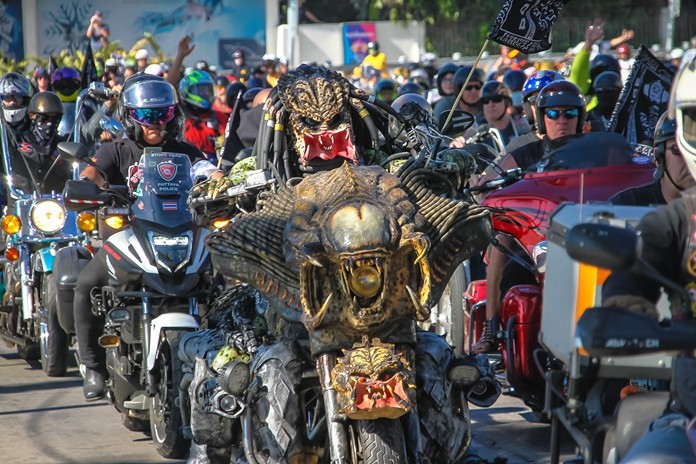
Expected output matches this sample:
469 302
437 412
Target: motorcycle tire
165 415
53 341
378 441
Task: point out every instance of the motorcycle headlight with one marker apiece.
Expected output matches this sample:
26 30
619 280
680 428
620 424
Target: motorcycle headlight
172 253
47 216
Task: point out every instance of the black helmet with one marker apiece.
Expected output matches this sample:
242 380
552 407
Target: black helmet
601 63
665 130
46 103
411 87
493 88
202 65
146 91
239 53
45 112
233 90
373 45
560 93
515 79
463 72
445 69
608 81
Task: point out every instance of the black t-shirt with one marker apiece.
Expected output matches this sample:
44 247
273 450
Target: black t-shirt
664 233
114 158
643 195
530 154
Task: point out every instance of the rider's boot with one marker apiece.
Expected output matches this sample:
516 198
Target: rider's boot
94 387
488 343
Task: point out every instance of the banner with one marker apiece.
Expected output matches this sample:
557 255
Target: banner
644 98
89 68
355 39
525 24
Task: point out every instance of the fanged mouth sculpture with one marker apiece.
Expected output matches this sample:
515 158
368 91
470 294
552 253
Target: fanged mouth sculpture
327 145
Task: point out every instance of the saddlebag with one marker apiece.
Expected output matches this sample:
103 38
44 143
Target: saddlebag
67 266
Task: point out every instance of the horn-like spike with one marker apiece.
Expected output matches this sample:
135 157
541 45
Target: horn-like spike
422 313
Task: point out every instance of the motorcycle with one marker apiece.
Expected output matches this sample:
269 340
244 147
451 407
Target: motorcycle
587 168
159 271
34 231
347 302
613 343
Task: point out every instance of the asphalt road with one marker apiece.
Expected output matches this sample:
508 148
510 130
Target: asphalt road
45 420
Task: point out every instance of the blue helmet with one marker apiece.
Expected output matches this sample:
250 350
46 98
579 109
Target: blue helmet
533 85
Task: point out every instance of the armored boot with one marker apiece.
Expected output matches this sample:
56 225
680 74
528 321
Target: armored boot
488 341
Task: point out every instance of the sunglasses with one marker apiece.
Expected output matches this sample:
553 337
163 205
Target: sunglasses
675 150
152 116
473 87
570 113
493 99
45 117
12 98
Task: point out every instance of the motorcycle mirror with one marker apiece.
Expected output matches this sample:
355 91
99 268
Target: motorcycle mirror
111 126
460 122
73 151
603 246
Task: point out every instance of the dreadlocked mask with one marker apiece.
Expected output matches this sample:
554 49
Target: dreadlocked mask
319 117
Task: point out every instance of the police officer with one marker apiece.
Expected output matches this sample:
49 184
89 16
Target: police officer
146 124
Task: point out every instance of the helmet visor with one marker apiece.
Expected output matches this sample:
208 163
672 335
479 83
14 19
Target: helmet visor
150 94
152 116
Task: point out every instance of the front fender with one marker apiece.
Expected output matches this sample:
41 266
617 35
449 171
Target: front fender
171 321
46 259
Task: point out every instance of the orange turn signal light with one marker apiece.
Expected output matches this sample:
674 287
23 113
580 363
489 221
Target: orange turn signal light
109 341
12 254
11 224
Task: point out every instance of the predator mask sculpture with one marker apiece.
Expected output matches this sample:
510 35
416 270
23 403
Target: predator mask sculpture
318 101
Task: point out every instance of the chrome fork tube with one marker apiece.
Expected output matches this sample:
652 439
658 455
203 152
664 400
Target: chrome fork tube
27 288
338 443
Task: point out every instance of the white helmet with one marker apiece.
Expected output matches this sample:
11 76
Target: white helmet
682 108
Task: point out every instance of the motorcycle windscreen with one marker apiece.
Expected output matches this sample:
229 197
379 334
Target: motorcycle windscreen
163 189
591 150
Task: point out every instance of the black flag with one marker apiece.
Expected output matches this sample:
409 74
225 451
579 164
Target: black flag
525 24
644 98
89 68
52 65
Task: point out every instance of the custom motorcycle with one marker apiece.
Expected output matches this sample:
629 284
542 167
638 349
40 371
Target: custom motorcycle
34 230
587 168
159 271
347 263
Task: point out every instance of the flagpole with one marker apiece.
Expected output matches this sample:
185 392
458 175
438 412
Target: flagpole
461 92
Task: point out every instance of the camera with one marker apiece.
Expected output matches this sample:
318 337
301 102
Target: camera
98 89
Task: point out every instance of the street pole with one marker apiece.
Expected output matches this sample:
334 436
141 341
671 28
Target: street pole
293 19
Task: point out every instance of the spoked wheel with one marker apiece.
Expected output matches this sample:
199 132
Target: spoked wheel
448 316
165 415
53 341
377 441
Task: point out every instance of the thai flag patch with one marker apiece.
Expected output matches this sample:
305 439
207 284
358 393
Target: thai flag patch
25 147
170 205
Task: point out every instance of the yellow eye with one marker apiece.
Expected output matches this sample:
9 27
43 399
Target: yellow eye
365 281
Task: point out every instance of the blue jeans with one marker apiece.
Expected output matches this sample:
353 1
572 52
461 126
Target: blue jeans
665 442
